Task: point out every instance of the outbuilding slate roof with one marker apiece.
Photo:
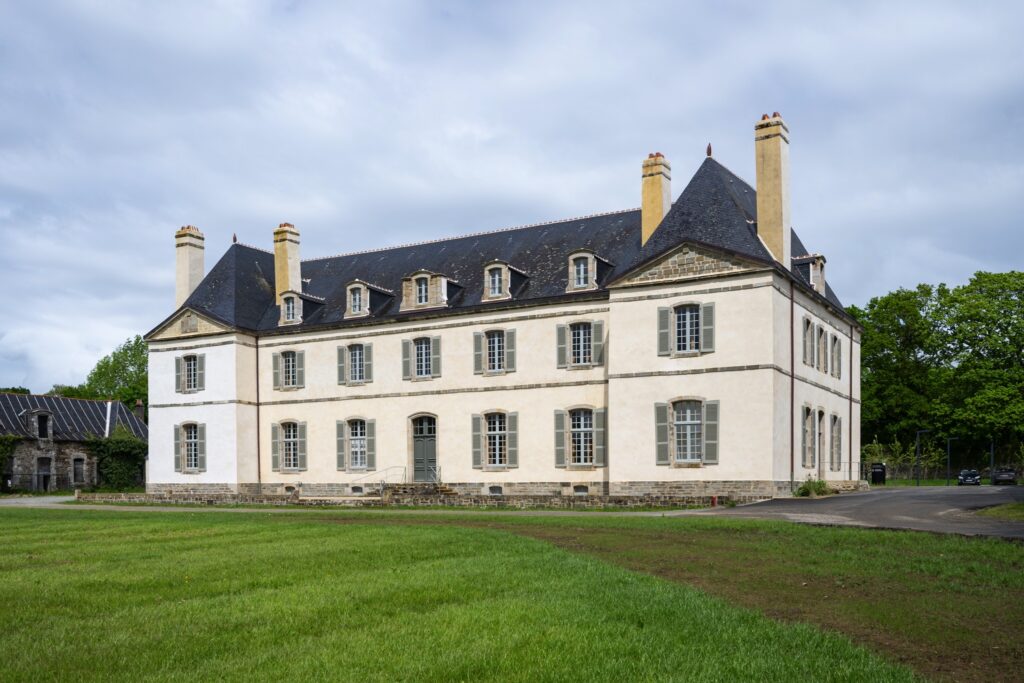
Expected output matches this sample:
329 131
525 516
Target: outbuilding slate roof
74 419
716 209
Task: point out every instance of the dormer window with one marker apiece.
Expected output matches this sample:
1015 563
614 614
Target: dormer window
289 309
356 300
500 279
582 271
495 282
43 425
422 291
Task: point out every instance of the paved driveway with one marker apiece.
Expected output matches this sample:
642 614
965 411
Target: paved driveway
925 508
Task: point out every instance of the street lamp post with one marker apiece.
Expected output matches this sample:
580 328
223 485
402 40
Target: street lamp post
948 442
917 441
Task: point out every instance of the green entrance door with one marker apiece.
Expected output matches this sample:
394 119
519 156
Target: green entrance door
424 449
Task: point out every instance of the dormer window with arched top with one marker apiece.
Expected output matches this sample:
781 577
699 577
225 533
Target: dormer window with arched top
291 309
497 281
424 289
582 272
358 300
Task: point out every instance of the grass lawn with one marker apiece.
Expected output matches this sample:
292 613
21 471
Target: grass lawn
1011 511
185 596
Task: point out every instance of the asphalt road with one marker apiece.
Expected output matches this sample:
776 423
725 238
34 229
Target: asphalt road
926 508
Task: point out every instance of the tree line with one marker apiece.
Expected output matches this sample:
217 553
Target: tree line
948 360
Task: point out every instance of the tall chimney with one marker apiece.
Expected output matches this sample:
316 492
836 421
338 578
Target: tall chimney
656 194
287 269
189 270
771 149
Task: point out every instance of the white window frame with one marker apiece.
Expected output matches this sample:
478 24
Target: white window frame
496 425
422 350
687 431
289 369
581 437
581 277
421 287
494 341
356 363
357 444
289 309
686 328
190 372
495 281
581 350
355 300
289 445
190 446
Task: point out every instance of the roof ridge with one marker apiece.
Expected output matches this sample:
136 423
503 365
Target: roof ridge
471 234
250 246
67 398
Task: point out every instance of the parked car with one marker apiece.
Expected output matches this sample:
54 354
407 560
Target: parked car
968 478
1004 475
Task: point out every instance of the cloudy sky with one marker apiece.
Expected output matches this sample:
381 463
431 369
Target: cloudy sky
388 122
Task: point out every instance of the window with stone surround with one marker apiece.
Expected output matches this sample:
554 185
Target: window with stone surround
356 366
289 309
581 442
495 350
422 291
497 439
190 447
356 300
688 428
686 432
357 443
422 346
582 272
495 282
190 373
686 329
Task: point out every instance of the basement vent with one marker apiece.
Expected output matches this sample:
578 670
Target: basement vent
581 490
357 489
494 491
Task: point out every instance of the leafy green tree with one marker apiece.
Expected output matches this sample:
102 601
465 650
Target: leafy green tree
14 390
121 375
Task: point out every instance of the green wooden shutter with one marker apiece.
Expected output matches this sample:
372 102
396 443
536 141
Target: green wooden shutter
277 370
200 372
560 437
803 436
510 350
367 362
177 448
342 350
664 318
371 444
275 447
711 432
477 422
512 427
707 328
300 368
178 382
201 446
597 339
600 437
302 445
560 351
340 431
661 433
839 358
478 353
406 352
435 356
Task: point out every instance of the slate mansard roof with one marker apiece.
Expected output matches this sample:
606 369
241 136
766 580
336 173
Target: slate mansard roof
74 419
717 209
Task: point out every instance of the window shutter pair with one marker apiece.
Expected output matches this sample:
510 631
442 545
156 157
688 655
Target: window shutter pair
511 440
667 333
710 432
435 356
479 353
300 370
200 448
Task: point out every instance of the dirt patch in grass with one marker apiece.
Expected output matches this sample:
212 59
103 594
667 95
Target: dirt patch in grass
1010 511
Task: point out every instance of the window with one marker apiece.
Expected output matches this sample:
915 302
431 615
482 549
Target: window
289 308
581 425
78 471
496 285
686 422
356 365
837 357
289 369
836 450
497 439
423 368
43 426
422 296
581 344
822 350
687 328
191 376
356 300
191 434
357 443
290 445
495 351
808 342
821 435
581 271
808 438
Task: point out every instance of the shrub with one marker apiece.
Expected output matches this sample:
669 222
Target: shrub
119 459
813 488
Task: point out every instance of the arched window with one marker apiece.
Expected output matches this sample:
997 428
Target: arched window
581 424
497 439
581 272
687 327
688 428
289 308
357 443
290 445
495 282
422 292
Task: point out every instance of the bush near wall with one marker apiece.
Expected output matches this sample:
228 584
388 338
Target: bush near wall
120 459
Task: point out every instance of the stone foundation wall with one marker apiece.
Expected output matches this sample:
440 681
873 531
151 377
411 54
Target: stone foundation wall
732 489
190 489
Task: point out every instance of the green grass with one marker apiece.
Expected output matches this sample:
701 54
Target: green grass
1010 511
124 596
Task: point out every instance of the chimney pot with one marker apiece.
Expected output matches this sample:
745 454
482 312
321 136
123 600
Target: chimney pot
709 149
776 115
764 117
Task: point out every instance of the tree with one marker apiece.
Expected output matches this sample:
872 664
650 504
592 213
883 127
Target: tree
14 390
121 375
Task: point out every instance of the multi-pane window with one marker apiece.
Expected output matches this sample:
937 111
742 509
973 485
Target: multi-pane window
191 368
581 427
496 286
290 445
356 296
808 440
688 328
356 364
835 462
357 443
581 271
423 368
422 296
289 308
495 351
191 439
686 421
497 439
808 342
581 348
822 350
289 369
837 357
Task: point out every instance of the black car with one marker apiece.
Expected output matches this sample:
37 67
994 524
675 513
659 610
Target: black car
968 478
1004 475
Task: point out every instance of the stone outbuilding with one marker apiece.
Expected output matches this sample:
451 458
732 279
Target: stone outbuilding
51 454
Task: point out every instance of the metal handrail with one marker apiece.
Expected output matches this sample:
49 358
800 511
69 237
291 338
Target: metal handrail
382 475
436 471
